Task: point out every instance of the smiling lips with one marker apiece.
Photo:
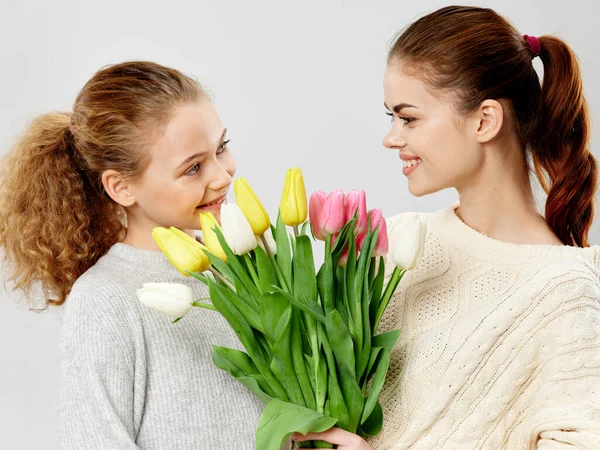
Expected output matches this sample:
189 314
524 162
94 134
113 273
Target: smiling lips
411 163
212 205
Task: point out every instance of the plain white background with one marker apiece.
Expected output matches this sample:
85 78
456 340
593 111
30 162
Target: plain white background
296 83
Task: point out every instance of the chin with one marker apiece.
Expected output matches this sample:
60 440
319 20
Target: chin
420 190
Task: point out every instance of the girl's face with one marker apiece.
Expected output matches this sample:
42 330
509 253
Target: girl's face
190 171
434 142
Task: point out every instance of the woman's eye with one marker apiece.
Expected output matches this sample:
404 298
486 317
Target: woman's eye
223 147
406 119
193 170
391 116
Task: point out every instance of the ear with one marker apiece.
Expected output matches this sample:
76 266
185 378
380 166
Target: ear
489 118
117 188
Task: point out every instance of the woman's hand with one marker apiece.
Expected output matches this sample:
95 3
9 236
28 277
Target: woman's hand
343 439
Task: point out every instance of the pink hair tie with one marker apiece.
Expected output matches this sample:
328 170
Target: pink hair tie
533 45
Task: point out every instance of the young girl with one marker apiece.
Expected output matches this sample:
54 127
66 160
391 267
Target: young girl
81 193
500 343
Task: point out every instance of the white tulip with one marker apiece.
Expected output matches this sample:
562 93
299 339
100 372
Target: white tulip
268 235
236 229
408 242
173 299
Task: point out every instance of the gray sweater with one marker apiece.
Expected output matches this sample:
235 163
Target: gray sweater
130 379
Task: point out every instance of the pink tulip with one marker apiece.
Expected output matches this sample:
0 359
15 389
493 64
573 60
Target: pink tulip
382 245
345 253
357 201
315 206
333 214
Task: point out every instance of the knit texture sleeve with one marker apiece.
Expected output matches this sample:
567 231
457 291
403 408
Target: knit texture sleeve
566 404
97 379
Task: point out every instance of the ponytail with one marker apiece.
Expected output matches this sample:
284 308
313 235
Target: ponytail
567 170
54 224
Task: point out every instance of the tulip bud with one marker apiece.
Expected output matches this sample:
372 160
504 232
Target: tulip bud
293 201
382 245
316 203
333 215
251 206
182 251
236 229
356 203
272 245
172 299
208 224
408 243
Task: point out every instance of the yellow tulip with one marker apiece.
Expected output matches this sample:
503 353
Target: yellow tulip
251 207
183 251
293 208
208 223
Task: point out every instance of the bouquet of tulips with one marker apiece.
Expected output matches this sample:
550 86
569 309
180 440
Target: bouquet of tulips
313 354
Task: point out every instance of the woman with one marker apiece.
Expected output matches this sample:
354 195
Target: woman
500 343
81 193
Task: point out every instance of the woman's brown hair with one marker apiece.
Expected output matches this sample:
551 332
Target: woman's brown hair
56 220
476 54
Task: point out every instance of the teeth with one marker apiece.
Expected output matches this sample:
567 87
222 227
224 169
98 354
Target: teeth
412 162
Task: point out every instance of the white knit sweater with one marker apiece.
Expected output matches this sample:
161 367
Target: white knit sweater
499 345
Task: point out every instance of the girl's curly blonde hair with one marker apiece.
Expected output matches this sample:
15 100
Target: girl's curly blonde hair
56 220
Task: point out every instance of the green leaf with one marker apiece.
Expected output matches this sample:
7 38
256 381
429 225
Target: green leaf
383 362
239 365
202 278
280 419
325 284
374 423
363 358
342 346
310 307
298 359
249 313
244 333
376 289
266 274
336 404
221 267
305 280
272 307
395 278
387 340
304 227
284 257
234 262
282 363
177 320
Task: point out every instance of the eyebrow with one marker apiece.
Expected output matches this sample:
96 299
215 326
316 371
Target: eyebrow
196 155
400 106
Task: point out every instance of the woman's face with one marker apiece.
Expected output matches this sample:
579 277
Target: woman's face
436 151
190 171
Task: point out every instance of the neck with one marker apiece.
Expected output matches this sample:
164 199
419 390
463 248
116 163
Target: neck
499 201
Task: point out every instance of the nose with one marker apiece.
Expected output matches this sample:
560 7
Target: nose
221 178
394 139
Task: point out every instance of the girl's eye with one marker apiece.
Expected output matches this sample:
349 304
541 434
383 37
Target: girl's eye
193 170
223 147
391 116
406 119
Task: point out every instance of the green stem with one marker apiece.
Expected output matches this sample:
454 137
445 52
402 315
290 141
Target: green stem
204 305
275 266
252 270
296 231
222 278
387 295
